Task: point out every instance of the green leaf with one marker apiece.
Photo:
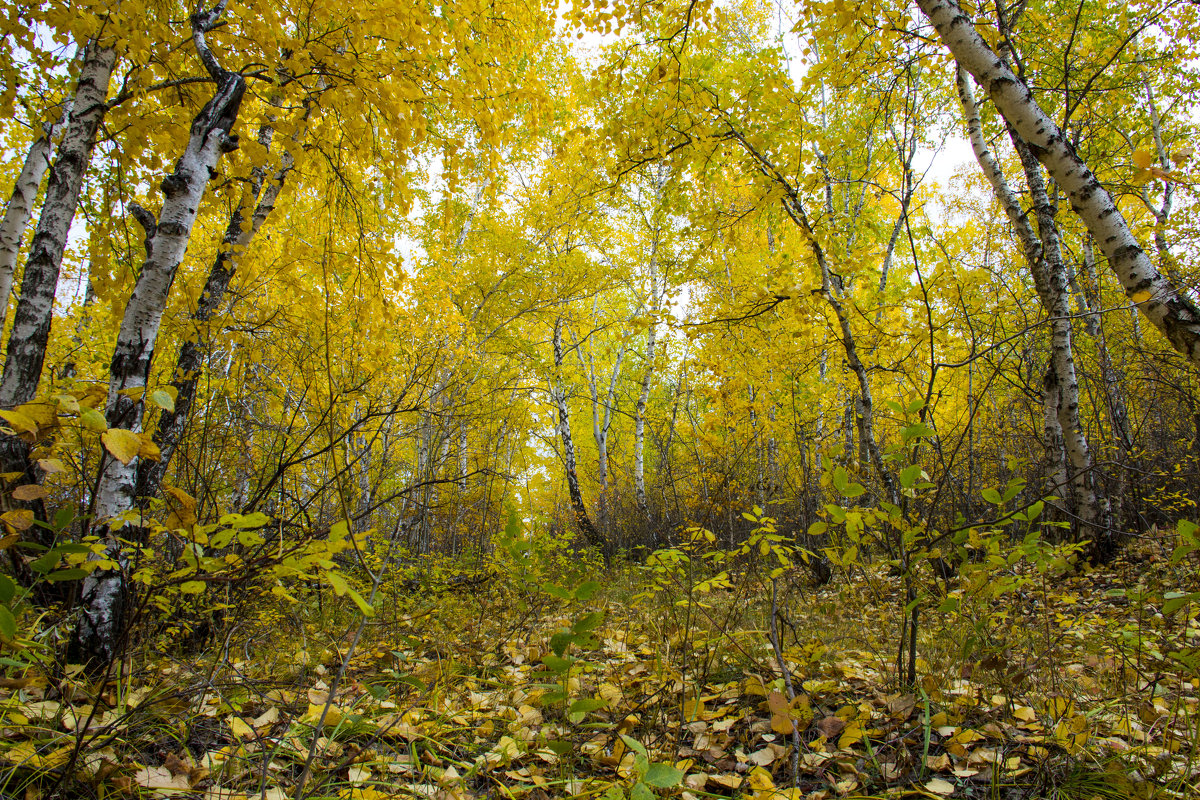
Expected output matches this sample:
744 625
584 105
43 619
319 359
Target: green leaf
63 518
556 591
191 587
559 747
586 704
640 792
8 590
588 622
560 641
363 605
1177 600
840 479
916 430
586 589
853 490
634 745
46 562
557 663
67 575
909 475
255 520
663 776
8 624
992 496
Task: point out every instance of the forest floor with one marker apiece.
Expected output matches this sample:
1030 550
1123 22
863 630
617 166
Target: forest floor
642 686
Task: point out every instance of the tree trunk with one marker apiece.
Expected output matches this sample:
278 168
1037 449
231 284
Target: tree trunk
564 431
190 359
1176 316
1162 214
104 591
34 312
639 425
1065 442
1090 509
20 206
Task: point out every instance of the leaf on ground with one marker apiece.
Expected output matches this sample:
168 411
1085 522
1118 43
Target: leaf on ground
939 786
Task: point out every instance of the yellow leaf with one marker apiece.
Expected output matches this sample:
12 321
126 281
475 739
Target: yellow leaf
164 399
939 786
1025 714
239 728
1140 297
19 520
19 422
94 420
760 780
1142 159
124 445
50 465
148 449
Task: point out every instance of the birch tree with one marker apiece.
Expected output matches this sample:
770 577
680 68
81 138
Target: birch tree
35 308
1174 314
103 593
19 209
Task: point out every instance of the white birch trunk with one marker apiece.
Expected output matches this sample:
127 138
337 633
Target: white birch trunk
166 243
35 308
639 425
564 431
1162 213
1057 304
1173 314
189 361
1065 443
20 205
103 592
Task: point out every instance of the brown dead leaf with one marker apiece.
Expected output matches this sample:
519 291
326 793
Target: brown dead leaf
29 492
160 780
900 707
763 757
831 726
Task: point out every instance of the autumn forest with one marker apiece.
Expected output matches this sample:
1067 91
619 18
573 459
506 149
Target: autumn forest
605 399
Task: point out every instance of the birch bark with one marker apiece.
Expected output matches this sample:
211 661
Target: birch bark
32 318
189 361
639 425
20 205
1175 315
564 431
1068 456
103 594
166 242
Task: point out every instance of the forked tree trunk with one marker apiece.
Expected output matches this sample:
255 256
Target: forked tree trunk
1175 315
1088 507
104 592
1068 456
602 409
